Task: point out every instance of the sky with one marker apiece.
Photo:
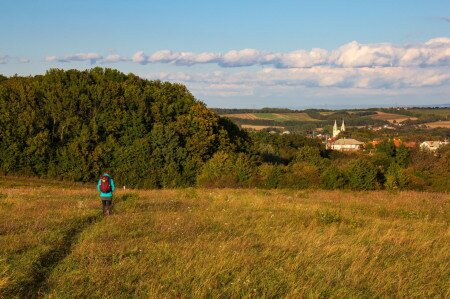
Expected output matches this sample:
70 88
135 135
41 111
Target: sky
245 54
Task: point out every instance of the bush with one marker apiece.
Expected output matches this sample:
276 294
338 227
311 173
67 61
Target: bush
333 178
300 175
226 170
362 175
396 178
269 176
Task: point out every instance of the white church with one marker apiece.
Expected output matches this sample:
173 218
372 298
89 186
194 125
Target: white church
335 129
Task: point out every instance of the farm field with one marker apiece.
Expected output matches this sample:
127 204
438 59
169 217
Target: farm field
439 124
258 128
221 243
300 116
391 117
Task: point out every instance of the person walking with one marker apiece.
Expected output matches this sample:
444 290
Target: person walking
106 188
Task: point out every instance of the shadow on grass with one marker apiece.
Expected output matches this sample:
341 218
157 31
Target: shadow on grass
36 286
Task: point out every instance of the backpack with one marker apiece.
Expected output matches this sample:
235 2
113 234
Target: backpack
105 184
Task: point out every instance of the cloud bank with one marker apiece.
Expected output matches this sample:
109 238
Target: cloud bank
433 53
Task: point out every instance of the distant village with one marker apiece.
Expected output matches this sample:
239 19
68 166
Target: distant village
352 145
343 144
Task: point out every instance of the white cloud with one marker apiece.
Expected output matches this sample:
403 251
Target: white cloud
91 57
317 77
435 52
113 58
139 57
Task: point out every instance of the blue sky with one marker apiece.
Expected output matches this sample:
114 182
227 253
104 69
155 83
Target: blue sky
245 53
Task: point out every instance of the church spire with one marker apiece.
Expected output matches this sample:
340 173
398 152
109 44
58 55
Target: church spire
343 126
335 129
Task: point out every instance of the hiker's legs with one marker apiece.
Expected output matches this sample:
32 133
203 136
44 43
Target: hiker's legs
106 203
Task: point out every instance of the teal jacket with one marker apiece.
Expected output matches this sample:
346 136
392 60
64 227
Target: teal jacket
113 187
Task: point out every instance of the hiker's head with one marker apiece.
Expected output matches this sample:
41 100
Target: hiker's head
107 170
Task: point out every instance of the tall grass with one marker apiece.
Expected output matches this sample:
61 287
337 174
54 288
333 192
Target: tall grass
231 243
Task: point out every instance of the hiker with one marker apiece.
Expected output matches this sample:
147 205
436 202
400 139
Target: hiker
106 188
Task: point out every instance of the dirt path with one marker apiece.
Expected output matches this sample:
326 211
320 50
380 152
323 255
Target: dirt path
36 286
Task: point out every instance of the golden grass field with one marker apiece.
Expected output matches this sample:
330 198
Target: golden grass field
390 117
295 116
221 243
439 124
259 128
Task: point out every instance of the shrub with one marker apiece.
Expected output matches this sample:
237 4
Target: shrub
269 176
396 178
226 170
362 175
300 175
333 178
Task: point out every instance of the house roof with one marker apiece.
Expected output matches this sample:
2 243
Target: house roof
348 141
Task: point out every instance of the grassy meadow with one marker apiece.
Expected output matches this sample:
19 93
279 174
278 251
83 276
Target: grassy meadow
54 243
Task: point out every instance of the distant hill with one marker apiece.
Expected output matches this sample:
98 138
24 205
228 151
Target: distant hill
314 118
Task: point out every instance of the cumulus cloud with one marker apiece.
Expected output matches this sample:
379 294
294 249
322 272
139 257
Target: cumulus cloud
113 58
91 57
360 78
435 52
140 57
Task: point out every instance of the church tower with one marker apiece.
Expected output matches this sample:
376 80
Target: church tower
343 126
335 129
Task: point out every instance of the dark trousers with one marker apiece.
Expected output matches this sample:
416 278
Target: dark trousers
107 205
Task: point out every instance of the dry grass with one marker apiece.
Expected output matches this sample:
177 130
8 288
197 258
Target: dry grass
390 117
259 128
232 243
439 124
242 115
298 116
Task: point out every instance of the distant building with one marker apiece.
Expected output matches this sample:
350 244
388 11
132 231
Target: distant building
335 128
432 146
347 145
285 133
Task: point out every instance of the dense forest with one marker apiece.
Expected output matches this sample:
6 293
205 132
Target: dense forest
71 125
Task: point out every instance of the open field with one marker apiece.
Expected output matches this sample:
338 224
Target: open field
221 243
439 124
390 117
300 116
259 128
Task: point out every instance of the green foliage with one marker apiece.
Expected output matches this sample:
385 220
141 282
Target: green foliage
396 178
333 178
362 175
300 175
226 170
70 124
270 176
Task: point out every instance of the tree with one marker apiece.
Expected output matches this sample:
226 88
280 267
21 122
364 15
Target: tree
333 178
362 175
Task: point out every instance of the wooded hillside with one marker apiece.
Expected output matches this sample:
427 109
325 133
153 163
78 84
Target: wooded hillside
72 124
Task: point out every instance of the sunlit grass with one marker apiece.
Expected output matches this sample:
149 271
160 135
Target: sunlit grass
230 243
